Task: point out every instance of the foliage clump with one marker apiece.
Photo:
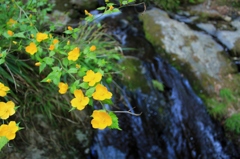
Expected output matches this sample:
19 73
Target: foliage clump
78 62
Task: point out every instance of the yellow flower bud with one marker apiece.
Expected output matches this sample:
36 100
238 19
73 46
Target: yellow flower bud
10 33
37 63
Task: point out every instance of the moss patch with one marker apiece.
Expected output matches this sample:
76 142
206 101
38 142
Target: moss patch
133 74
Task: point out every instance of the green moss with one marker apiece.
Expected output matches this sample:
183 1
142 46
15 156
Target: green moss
216 109
233 123
152 29
227 95
133 77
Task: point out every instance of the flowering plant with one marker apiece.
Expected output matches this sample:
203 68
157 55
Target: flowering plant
79 62
7 109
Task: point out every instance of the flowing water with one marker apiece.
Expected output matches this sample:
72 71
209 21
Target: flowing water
174 124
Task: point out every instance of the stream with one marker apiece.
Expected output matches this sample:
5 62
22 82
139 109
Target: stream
174 123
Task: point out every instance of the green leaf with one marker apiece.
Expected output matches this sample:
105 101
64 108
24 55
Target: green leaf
76 30
116 56
3 141
52 28
91 56
42 66
90 91
57 69
109 80
82 71
115 10
51 53
110 4
74 86
48 60
130 1
84 85
3 54
19 35
115 124
108 12
54 76
72 70
75 36
101 8
90 102
86 50
100 71
107 101
65 62
101 62
56 80
158 85
73 108
68 32
2 61
89 18
124 2
40 51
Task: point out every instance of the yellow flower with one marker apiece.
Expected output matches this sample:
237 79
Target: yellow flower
111 8
78 66
70 28
101 93
74 54
11 22
93 48
10 33
55 41
3 90
37 63
48 80
92 78
80 101
41 36
9 131
6 109
101 119
31 48
63 87
51 47
87 13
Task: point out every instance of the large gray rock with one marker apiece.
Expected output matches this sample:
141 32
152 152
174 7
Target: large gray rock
231 39
195 54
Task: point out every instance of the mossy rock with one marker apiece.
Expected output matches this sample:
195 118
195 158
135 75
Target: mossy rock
210 72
